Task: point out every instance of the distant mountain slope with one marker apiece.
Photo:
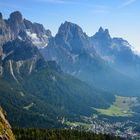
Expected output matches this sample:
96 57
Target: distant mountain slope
105 62
75 52
5 128
36 93
117 52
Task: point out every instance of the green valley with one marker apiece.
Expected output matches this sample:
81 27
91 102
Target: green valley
122 107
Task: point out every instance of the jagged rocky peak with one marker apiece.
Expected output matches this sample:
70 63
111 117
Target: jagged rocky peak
36 28
16 16
39 28
121 44
102 33
69 27
5 34
71 36
101 30
15 22
106 31
28 24
70 31
1 17
69 24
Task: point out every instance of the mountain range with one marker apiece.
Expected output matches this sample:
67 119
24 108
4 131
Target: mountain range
44 78
105 62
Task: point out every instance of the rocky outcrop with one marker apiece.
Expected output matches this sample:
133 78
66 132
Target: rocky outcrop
72 38
5 128
12 27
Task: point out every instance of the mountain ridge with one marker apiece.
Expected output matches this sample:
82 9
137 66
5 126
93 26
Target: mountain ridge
37 93
82 56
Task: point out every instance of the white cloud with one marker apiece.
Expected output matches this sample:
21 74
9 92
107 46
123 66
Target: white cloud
128 2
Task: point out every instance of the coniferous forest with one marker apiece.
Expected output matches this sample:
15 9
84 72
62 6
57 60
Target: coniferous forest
59 134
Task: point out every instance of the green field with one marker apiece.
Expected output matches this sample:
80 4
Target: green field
122 107
78 124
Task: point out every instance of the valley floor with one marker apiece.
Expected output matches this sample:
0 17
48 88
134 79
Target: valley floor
124 129
118 120
122 107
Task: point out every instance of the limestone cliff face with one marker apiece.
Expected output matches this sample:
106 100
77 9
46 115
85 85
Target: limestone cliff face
5 128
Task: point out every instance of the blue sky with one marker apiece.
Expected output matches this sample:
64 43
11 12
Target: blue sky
121 17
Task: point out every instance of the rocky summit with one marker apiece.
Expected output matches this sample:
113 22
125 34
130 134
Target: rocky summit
11 27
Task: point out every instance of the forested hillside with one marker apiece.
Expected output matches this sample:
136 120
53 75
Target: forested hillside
59 134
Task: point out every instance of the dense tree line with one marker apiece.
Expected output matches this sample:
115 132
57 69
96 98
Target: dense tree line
59 134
